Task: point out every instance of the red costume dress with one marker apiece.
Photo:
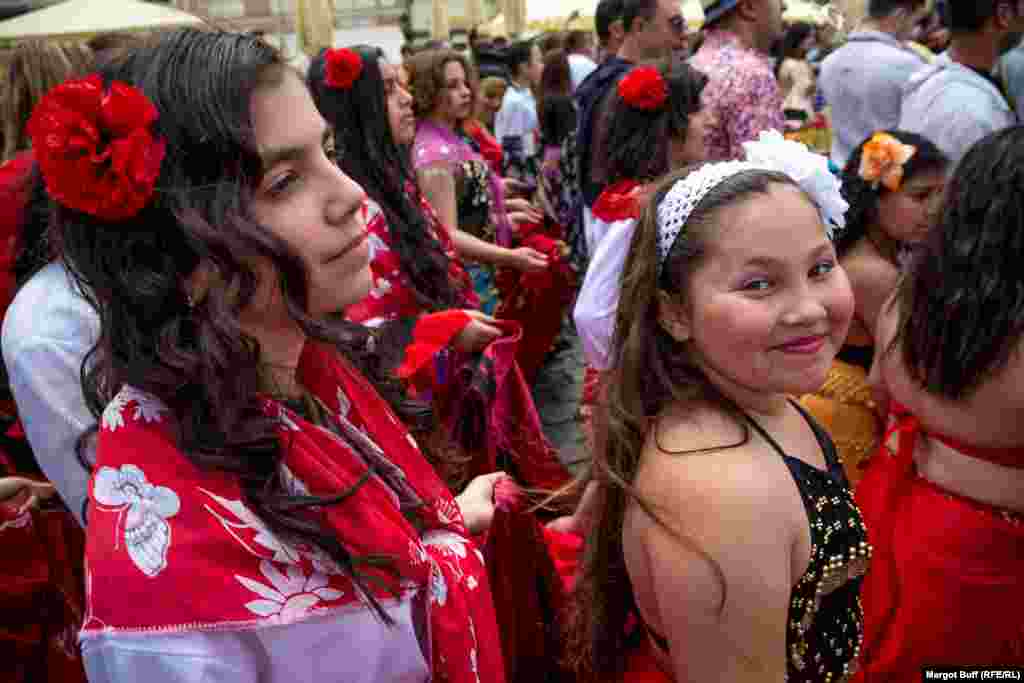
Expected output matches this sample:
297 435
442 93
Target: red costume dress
946 584
392 296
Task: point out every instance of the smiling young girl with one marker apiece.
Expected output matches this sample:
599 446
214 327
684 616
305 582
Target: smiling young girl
723 527
256 510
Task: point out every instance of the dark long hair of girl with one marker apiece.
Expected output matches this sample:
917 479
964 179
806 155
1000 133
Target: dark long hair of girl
369 155
962 301
637 146
863 198
200 362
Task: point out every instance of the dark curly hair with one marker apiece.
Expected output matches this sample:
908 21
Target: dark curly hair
426 78
863 198
962 301
368 153
201 362
637 141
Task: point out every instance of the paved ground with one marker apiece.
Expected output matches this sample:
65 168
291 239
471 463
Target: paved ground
556 393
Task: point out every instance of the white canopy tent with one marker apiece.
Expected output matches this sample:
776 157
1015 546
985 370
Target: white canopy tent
80 18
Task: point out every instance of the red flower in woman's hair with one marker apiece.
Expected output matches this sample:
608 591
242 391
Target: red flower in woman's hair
342 67
644 88
95 148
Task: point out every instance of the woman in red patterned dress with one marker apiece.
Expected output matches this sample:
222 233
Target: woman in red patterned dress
413 260
417 274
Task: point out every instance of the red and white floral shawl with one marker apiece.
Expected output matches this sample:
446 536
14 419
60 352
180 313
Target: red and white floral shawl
391 295
172 548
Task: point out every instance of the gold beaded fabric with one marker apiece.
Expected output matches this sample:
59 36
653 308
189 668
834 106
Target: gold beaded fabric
825 625
845 408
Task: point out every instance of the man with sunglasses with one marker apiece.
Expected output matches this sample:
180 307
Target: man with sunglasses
742 93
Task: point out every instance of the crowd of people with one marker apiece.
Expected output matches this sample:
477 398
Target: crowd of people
681 357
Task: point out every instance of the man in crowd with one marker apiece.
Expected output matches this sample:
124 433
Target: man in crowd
742 94
863 80
956 100
516 123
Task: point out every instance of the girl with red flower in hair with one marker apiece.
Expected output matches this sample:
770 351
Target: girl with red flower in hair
655 124
419 282
257 510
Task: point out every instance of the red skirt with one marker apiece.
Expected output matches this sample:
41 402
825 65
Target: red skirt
946 584
565 550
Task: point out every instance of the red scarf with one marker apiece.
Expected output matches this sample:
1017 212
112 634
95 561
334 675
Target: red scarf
537 300
172 547
392 295
619 202
487 408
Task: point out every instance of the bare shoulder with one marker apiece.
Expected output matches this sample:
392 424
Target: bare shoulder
866 269
713 571
700 463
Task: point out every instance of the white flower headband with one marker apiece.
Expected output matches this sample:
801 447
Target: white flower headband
598 301
770 152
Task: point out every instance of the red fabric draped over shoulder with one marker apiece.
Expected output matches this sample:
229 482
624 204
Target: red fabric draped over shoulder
943 573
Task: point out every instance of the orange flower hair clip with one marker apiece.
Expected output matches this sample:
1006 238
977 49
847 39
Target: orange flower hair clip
882 161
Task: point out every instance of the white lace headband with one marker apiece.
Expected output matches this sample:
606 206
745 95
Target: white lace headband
679 202
770 152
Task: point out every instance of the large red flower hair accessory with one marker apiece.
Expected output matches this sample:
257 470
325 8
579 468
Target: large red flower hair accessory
95 147
644 88
342 67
